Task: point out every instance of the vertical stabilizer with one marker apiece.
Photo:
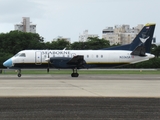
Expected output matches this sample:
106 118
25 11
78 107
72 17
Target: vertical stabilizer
144 38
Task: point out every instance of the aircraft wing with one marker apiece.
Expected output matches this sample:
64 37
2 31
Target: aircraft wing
77 60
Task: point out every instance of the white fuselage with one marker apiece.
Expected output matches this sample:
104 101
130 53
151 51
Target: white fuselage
90 56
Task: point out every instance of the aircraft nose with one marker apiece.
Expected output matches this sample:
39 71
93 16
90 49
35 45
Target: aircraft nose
8 63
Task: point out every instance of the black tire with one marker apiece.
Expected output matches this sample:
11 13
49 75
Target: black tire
19 75
74 75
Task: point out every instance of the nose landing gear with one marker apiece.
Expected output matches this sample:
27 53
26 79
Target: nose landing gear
19 73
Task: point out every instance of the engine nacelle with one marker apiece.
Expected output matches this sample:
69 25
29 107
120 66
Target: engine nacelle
61 62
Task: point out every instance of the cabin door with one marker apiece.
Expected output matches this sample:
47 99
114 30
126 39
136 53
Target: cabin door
38 58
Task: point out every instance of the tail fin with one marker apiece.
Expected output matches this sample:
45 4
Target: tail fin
144 38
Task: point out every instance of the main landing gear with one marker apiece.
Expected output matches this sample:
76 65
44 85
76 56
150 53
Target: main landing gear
19 73
74 74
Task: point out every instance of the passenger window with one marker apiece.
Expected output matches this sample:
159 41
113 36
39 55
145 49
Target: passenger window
87 56
97 56
22 55
101 56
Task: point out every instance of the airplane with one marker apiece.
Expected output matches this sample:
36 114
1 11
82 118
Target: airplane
137 51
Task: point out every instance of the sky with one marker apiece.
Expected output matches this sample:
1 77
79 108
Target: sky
69 18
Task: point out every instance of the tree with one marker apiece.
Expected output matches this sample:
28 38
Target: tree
155 50
60 44
14 41
93 43
78 46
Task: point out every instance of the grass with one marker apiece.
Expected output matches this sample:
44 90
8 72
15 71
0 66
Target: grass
85 71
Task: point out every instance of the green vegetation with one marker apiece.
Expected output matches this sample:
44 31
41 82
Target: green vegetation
15 41
92 44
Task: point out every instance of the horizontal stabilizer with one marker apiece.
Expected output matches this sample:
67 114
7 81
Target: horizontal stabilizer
139 61
139 51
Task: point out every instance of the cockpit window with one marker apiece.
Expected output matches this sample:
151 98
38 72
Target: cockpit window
22 55
16 55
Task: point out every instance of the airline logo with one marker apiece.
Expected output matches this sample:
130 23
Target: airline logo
143 40
60 52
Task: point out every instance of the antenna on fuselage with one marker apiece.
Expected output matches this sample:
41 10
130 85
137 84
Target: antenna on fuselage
64 48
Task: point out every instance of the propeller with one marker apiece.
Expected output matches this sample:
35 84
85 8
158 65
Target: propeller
48 68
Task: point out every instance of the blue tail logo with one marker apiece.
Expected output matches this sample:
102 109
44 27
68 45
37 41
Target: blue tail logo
143 40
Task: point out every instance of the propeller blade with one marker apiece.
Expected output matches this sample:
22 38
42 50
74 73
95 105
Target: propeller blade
48 70
48 59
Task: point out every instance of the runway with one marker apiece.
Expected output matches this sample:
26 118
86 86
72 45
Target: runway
83 86
79 108
88 97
